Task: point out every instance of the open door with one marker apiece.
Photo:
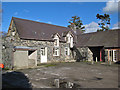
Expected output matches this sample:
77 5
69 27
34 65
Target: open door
43 55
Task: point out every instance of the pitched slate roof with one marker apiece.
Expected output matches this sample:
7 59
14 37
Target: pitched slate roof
28 29
109 38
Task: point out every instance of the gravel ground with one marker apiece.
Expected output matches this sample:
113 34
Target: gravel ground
81 74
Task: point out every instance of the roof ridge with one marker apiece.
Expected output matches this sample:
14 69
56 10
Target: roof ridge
39 22
102 31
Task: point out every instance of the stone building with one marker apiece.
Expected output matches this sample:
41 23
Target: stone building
29 43
101 46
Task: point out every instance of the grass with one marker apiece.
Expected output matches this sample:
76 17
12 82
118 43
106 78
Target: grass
50 65
47 65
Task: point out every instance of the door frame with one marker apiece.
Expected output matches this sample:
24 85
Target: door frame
43 54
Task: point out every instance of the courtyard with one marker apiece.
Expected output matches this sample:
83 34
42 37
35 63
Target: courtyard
78 74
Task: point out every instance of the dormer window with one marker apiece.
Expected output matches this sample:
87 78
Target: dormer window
71 42
56 41
56 49
69 39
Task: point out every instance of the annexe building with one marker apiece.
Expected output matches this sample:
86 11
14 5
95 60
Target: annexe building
103 45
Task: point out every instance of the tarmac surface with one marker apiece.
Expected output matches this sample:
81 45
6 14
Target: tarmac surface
79 74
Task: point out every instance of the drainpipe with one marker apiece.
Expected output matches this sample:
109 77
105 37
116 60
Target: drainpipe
12 57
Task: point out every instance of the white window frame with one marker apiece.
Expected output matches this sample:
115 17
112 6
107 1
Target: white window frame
43 52
69 39
67 51
71 42
115 55
56 41
56 51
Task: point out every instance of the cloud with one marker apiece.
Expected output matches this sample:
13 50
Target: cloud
116 26
49 22
91 27
111 6
38 20
16 13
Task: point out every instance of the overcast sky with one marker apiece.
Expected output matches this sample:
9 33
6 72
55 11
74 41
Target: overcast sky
59 13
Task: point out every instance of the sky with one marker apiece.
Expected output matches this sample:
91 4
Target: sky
59 13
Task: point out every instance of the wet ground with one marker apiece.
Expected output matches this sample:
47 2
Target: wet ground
78 75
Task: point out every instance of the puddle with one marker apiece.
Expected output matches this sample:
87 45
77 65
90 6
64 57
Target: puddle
97 78
62 83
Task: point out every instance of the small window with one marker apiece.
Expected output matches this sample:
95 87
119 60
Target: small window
67 53
114 55
43 51
56 41
13 33
56 52
71 42
69 39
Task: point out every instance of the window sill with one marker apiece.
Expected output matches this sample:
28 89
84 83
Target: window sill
56 55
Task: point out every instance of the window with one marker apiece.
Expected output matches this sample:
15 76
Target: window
114 55
67 52
56 41
69 39
71 42
56 52
43 51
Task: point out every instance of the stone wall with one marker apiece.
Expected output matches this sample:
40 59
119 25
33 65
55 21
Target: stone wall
50 45
90 55
82 54
7 54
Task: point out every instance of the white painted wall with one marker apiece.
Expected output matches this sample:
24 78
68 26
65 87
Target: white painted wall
33 56
21 58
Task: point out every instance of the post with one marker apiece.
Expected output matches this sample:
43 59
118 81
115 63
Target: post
111 57
56 82
100 54
108 56
96 59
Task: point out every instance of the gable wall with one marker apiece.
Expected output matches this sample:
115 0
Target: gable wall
16 41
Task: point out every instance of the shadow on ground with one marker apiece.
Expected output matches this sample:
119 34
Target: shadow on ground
15 80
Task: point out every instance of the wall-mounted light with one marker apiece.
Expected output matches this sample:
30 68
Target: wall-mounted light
13 33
